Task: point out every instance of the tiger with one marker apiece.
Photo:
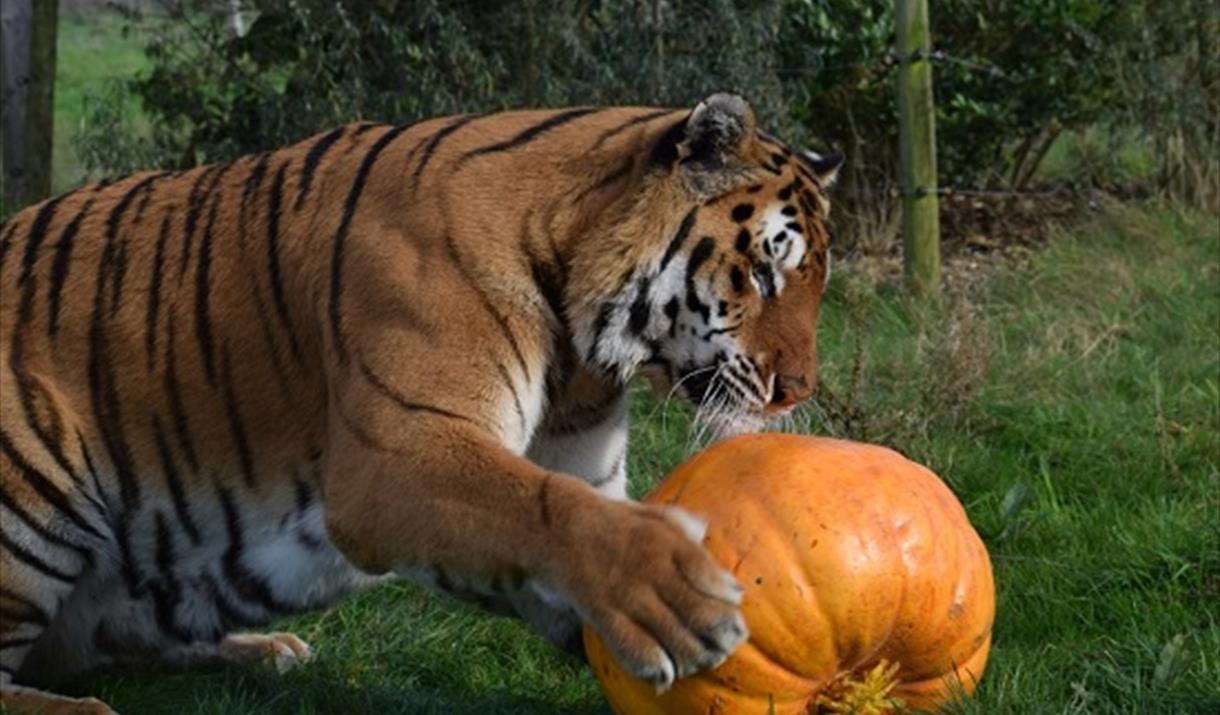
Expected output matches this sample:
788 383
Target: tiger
245 390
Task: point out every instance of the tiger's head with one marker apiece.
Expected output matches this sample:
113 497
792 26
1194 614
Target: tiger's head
721 305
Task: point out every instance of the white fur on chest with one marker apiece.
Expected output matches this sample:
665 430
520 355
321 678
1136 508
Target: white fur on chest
595 455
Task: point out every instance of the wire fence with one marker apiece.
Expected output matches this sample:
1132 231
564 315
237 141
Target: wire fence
891 59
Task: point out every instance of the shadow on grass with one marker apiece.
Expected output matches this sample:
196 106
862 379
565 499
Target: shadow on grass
322 690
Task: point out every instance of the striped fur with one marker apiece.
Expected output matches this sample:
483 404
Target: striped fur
244 390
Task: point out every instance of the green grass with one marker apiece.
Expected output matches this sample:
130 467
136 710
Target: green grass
1073 404
91 50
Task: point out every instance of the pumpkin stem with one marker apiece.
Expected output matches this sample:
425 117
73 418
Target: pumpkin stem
870 695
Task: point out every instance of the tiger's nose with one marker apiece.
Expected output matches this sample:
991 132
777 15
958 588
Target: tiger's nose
790 390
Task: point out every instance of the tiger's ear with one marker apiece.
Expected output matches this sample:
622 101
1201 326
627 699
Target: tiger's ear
825 166
711 150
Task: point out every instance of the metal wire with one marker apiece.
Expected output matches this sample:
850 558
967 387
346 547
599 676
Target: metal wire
891 59
949 191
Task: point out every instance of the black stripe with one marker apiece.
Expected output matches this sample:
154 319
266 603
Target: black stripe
304 494
240 440
38 527
698 255
33 242
363 437
619 172
404 403
117 254
6 241
249 188
45 488
163 551
21 554
550 286
528 135
173 478
230 613
543 500
145 198
312 158
264 324
61 266
10 643
590 416
451 248
177 409
610 133
203 311
154 291
599 327
434 142
166 591
30 392
512 389
732 387
641 309
91 468
345 224
104 392
273 261
746 383
249 587
688 223
195 203
36 613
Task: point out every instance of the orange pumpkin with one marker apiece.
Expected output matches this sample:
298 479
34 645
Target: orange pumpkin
866 586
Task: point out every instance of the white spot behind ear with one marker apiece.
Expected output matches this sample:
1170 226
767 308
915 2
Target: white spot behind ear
825 167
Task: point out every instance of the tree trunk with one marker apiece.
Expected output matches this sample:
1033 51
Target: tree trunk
15 70
40 112
27 76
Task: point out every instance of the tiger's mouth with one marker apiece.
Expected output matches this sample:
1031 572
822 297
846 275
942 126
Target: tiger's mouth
726 400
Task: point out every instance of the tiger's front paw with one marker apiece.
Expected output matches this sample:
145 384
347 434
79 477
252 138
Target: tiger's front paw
658 600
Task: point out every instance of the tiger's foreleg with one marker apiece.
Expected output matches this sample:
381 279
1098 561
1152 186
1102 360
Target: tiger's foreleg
592 447
425 490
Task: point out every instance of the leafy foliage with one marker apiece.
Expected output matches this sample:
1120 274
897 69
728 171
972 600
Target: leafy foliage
1017 73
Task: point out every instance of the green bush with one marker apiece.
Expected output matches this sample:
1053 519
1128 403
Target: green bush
1017 74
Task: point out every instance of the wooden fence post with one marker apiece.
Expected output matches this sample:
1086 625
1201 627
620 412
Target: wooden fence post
917 144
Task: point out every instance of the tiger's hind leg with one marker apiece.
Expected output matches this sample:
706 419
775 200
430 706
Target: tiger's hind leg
20 700
32 585
51 536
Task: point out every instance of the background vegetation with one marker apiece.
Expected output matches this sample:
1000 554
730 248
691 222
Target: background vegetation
1069 392
1017 76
